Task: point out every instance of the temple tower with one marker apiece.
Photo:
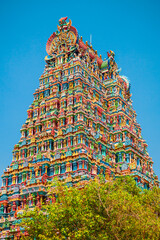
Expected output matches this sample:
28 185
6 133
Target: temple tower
81 123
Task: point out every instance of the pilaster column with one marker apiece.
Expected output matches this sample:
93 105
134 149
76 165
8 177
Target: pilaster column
6 181
46 167
14 179
130 157
50 144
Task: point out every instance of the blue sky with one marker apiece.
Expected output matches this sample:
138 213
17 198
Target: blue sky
129 28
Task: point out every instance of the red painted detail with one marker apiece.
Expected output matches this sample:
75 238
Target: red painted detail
44 178
84 46
100 61
49 42
63 18
73 29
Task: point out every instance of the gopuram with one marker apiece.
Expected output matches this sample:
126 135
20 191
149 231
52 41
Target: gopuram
81 124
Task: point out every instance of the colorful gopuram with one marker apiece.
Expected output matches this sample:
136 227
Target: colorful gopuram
81 123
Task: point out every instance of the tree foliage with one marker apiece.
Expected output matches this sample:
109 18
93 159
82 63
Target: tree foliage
113 210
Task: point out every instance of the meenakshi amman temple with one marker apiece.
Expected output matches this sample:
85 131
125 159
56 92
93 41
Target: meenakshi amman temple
81 124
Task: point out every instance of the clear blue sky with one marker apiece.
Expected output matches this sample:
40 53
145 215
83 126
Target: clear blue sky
130 28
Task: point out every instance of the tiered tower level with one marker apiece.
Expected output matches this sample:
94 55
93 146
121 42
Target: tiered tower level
81 123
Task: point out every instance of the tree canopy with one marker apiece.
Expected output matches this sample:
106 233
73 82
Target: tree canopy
112 210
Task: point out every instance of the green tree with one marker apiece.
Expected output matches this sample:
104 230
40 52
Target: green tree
113 210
